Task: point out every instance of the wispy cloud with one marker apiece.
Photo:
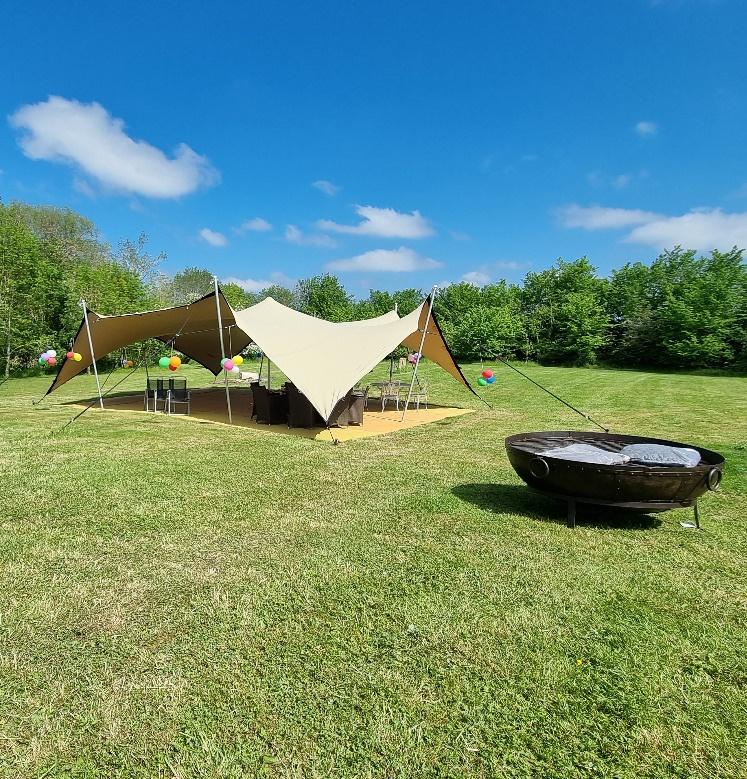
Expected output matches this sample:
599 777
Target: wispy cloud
88 138
255 225
327 187
477 277
212 237
646 128
601 218
257 285
701 228
385 260
383 223
295 235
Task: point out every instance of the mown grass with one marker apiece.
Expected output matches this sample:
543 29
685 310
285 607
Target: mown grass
191 600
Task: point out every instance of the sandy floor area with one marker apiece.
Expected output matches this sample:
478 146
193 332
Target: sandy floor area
210 404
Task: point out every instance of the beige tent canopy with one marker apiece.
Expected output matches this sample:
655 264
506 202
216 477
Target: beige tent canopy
323 359
326 359
193 330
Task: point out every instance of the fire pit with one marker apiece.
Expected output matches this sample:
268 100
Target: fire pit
632 486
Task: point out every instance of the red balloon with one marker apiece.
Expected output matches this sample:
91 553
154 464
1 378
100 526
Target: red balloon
70 355
52 361
173 367
487 373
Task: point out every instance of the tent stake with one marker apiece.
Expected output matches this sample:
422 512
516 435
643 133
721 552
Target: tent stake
93 355
222 350
420 350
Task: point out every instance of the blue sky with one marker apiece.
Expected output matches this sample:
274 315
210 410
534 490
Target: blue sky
393 143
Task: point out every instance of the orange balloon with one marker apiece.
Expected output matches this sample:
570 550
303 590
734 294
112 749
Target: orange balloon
172 367
175 362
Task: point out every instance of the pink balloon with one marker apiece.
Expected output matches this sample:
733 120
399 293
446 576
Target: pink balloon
70 355
228 366
51 361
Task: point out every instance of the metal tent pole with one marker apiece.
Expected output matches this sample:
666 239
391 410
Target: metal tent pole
93 355
222 349
420 350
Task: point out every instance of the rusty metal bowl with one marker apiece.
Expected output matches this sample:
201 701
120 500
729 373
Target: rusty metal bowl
632 486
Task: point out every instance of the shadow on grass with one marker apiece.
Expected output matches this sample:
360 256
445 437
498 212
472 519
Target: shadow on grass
515 499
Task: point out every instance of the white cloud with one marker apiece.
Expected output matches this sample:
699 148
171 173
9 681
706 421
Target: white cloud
601 218
327 187
701 228
212 237
476 277
646 128
294 235
257 285
383 223
87 137
255 225
388 260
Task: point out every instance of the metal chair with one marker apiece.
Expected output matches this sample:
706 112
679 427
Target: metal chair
420 395
178 394
157 391
390 390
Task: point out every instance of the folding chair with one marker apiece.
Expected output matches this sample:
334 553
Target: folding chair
178 394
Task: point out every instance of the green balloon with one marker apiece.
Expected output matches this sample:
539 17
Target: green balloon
164 362
482 382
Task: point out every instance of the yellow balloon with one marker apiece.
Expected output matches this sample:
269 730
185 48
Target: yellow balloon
175 362
238 360
77 356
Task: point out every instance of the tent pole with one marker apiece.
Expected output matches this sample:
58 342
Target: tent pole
420 350
93 355
222 349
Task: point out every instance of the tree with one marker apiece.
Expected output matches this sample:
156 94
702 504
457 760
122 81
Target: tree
486 333
324 297
564 312
190 284
134 257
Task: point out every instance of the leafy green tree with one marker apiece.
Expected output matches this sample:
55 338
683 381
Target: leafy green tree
484 333
277 292
324 297
190 284
565 314
237 296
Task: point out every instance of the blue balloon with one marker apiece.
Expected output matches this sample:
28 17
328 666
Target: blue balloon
490 380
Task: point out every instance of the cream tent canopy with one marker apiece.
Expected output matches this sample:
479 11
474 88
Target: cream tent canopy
326 359
323 359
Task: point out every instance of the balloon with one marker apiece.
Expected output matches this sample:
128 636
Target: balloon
51 361
42 360
235 369
51 352
490 379
238 360
130 363
223 362
175 362
69 355
77 356
228 366
487 373
482 382
172 367
164 362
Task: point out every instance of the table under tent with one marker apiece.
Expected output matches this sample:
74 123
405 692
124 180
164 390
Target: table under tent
323 362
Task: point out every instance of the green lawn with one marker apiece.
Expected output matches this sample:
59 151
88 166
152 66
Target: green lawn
191 600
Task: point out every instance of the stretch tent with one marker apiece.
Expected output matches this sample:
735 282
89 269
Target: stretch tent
193 330
326 359
323 359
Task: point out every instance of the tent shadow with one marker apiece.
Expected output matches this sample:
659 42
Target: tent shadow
516 499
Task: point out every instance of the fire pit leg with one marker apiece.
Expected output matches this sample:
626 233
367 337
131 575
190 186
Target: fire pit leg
697 515
571 522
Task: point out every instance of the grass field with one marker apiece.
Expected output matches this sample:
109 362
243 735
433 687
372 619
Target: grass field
191 600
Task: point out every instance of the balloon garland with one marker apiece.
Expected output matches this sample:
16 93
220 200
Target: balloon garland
48 358
414 358
487 378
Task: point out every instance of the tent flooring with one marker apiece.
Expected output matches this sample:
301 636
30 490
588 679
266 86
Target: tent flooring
209 405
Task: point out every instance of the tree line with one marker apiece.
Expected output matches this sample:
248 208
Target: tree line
681 311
